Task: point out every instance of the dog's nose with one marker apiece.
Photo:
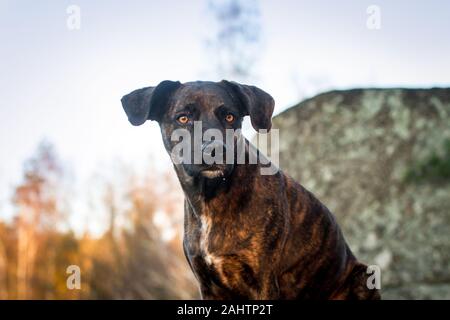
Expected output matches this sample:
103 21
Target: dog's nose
210 148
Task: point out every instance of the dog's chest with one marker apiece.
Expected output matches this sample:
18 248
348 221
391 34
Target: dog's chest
207 259
205 245
215 258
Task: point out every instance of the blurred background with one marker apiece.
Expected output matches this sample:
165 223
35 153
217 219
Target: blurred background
80 186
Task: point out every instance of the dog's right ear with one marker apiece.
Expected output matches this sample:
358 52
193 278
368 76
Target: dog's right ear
148 103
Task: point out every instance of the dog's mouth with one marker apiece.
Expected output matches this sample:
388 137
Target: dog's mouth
212 173
209 171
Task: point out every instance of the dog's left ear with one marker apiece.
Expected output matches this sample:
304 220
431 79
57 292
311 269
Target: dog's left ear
148 103
257 103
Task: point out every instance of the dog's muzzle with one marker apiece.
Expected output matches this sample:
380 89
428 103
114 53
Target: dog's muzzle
214 159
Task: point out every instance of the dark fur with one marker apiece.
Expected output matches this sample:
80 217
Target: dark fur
267 236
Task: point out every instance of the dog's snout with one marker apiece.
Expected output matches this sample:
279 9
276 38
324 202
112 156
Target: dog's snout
209 148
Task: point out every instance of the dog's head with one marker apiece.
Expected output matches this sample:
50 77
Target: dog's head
200 113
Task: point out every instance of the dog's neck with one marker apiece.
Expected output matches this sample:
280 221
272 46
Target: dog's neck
220 191
203 189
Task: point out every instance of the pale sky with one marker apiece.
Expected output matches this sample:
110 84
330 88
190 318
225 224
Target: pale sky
65 85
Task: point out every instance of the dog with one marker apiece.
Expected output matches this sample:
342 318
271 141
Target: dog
247 235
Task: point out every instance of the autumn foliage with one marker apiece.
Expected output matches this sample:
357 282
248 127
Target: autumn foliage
138 255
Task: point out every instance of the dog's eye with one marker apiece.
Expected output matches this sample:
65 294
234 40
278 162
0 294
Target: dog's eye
229 118
183 119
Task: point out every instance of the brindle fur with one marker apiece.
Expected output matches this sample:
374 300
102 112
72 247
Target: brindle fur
248 235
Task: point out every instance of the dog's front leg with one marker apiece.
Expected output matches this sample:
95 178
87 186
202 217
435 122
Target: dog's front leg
269 289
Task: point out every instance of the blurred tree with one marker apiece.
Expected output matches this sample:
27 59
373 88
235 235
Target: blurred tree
40 206
3 264
131 259
235 45
146 276
9 258
153 269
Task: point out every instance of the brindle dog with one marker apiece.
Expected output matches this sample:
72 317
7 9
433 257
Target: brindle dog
248 235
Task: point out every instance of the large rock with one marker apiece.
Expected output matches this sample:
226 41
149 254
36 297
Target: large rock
379 159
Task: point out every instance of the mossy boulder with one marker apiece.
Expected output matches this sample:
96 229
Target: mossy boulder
379 159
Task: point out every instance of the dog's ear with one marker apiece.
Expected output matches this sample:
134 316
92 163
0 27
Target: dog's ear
148 103
257 103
